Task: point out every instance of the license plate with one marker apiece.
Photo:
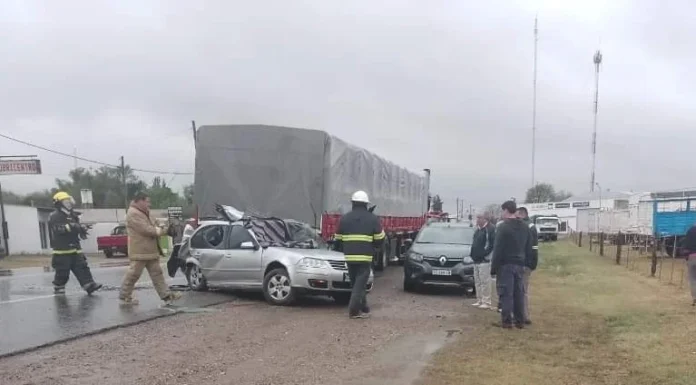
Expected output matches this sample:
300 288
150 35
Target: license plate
442 272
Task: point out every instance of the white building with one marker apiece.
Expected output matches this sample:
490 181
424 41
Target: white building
567 210
28 227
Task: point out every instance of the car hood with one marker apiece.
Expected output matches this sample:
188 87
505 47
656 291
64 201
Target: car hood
311 253
436 250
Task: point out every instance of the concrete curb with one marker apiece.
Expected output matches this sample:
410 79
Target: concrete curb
108 328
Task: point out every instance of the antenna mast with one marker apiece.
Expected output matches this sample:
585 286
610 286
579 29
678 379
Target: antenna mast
597 63
534 104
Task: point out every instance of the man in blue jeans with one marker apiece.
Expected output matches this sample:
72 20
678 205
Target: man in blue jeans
512 245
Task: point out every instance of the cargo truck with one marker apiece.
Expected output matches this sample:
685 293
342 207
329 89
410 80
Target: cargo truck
308 176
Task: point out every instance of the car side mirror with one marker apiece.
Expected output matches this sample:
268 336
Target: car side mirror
248 246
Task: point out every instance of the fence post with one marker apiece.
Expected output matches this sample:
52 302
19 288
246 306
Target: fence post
653 263
601 244
619 242
590 240
580 239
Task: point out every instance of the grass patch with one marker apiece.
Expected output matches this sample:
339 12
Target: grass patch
594 323
22 261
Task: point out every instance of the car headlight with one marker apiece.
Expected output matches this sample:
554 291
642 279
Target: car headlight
468 260
309 263
415 257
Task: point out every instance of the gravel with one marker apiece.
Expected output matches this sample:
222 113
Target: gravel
250 342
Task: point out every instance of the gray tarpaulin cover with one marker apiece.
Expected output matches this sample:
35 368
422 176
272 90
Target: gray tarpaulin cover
297 173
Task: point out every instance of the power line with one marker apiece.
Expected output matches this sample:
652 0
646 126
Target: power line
90 160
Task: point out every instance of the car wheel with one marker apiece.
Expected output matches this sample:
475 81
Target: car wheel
108 254
277 288
341 298
195 278
409 285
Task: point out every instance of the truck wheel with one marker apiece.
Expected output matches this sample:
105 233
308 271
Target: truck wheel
108 254
277 288
195 278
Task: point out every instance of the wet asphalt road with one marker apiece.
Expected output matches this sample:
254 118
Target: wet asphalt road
31 316
246 341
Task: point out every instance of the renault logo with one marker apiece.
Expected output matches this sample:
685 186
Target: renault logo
443 260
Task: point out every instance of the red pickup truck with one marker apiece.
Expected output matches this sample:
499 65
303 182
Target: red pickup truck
116 243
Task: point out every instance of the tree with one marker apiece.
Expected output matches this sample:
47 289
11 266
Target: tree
188 194
162 195
493 212
106 185
545 192
437 204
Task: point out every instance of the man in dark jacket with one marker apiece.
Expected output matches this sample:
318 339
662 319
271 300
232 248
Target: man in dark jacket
481 248
531 260
66 232
359 235
512 245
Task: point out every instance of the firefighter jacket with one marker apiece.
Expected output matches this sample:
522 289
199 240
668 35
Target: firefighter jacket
65 230
359 234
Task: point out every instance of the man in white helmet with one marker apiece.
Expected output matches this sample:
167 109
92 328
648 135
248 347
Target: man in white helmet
359 234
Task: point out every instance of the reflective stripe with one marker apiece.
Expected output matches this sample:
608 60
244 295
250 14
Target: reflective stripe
357 238
70 251
358 258
379 236
338 237
67 226
535 247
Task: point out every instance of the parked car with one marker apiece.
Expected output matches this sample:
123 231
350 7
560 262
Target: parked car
282 258
116 243
440 256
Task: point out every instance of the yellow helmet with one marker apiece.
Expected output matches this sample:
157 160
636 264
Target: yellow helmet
61 196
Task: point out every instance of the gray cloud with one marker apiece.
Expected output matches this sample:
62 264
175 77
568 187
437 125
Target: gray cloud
445 85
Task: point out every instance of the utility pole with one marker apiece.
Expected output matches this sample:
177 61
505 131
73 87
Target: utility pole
597 62
457 212
3 224
193 127
534 99
123 181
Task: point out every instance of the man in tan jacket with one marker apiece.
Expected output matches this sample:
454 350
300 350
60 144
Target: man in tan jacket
144 252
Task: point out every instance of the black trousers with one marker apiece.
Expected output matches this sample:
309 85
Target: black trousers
510 284
359 273
63 264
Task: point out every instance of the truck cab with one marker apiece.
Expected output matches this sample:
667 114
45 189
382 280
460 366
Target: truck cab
547 227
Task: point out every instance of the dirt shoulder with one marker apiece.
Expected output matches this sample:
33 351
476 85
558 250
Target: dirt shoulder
594 323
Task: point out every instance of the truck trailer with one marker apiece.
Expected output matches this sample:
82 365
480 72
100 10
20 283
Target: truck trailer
308 176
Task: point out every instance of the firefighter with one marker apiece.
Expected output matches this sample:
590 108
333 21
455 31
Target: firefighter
359 235
66 232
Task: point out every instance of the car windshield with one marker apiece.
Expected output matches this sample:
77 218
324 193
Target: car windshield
455 235
305 236
548 222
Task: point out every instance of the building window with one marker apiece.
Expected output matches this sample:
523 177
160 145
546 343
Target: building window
42 234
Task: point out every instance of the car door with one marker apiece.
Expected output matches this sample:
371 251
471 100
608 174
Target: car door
243 259
208 246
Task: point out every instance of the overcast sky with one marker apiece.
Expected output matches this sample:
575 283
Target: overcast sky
440 84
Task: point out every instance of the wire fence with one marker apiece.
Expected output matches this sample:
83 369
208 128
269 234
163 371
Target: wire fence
646 255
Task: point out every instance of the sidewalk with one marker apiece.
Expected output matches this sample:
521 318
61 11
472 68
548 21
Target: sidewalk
594 323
